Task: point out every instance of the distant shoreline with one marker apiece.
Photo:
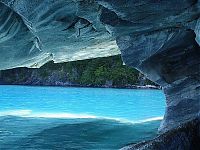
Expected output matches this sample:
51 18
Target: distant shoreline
92 86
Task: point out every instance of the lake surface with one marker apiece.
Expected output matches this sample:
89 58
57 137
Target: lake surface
77 118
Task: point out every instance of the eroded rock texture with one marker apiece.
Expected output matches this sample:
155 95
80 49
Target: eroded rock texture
170 56
160 38
33 32
185 137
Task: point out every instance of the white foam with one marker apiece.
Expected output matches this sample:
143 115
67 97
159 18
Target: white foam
31 114
137 121
15 113
62 115
151 119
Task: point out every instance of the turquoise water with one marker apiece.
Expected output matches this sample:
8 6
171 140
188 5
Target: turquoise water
77 118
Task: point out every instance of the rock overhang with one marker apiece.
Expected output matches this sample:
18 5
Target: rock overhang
35 32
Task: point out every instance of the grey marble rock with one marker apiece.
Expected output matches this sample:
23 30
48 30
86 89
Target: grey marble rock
175 68
185 137
33 32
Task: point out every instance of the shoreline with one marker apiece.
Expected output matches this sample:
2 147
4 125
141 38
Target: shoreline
146 87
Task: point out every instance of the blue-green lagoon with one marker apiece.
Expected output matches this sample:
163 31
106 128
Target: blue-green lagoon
45 118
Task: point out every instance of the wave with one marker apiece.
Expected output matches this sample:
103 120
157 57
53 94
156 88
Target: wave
151 119
19 113
137 121
31 114
68 133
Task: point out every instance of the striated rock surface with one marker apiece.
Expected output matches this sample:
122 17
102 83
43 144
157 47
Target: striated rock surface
169 56
33 32
160 38
185 137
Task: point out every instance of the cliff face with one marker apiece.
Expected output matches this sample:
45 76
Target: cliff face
158 37
99 72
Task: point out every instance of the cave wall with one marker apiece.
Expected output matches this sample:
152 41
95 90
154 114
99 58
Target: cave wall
158 37
165 46
175 65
